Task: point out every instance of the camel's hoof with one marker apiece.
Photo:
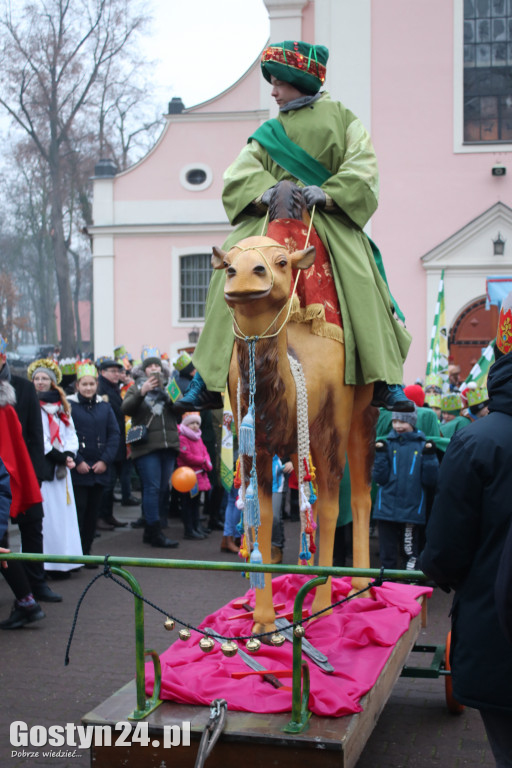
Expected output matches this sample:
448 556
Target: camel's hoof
316 608
358 585
258 628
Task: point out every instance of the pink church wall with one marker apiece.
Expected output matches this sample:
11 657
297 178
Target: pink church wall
427 191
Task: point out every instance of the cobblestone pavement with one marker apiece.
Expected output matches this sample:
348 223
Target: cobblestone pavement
415 730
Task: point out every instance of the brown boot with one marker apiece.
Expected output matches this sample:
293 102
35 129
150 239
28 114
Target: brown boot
276 555
228 545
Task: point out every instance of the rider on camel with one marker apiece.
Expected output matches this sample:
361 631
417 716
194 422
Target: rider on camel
322 147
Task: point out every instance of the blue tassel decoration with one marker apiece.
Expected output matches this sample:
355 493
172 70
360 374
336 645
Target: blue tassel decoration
312 496
246 439
305 554
252 505
257 580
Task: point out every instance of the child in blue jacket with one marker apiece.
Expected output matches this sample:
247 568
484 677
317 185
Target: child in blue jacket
405 466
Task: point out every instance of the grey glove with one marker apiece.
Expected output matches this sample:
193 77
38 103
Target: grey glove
314 196
267 195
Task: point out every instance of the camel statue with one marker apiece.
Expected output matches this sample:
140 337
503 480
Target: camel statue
341 420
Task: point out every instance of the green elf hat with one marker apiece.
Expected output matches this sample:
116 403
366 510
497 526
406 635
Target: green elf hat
504 332
295 62
433 399
477 396
183 360
451 403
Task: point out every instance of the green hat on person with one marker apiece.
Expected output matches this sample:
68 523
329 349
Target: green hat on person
433 399
183 361
452 403
477 396
433 380
295 62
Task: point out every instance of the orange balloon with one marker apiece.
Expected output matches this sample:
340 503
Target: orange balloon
183 479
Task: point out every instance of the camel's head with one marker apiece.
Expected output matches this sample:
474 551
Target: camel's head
258 268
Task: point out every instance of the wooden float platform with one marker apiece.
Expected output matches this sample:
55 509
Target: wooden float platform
251 739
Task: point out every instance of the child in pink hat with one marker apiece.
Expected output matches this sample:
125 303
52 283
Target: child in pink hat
193 454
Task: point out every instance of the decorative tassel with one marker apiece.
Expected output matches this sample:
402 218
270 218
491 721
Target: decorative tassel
246 439
305 554
68 497
312 495
237 481
257 579
305 506
252 506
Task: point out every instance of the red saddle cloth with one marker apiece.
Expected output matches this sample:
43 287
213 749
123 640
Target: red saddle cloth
316 284
358 638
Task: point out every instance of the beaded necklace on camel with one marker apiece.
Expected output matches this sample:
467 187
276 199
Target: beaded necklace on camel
248 502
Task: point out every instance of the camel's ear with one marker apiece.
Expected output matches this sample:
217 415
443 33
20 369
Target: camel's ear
218 256
303 259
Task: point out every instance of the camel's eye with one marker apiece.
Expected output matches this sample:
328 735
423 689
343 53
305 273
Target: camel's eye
282 262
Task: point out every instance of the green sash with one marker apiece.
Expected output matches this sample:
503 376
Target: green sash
283 151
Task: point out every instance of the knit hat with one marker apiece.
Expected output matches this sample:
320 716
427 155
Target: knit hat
191 417
86 368
47 366
504 332
452 403
415 393
409 418
150 355
183 361
295 62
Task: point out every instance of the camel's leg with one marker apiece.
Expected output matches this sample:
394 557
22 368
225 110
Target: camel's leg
360 451
264 614
328 509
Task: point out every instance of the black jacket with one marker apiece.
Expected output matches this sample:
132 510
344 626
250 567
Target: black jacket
112 394
98 436
29 413
466 533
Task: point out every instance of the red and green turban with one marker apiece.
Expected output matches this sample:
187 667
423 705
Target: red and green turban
295 62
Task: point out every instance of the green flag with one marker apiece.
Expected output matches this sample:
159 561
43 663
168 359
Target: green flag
437 361
478 373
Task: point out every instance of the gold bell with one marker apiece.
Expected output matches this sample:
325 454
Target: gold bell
184 633
169 624
207 644
229 648
299 631
253 645
278 639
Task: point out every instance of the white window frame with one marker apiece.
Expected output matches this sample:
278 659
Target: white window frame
196 187
176 256
459 147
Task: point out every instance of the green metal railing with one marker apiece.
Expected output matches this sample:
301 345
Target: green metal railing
300 676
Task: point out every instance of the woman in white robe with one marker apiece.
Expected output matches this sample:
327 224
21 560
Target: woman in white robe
61 535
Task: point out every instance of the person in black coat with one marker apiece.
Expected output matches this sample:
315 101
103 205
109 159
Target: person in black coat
465 537
108 388
31 523
98 441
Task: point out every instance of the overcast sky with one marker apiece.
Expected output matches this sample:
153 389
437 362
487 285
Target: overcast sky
202 46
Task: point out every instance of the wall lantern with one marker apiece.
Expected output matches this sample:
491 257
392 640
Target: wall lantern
499 246
193 336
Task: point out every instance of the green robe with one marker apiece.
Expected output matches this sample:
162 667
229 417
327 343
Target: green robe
375 343
453 426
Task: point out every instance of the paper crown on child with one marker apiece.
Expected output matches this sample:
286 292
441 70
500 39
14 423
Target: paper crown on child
68 366
3 345
120 352
296 62
191 417
182 361
45 365
150 355
477 396
86 368
433 399
452 403
504 332
433 380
